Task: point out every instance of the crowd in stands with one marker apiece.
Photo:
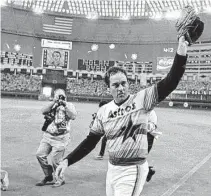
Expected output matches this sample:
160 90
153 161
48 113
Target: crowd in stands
20 82
85 86
195 86
82 86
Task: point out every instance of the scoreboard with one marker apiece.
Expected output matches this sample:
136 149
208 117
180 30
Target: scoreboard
164 56
94 65
15 58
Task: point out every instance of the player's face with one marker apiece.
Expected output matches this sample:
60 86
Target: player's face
119 87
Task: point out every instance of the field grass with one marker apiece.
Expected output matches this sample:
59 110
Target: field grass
185 142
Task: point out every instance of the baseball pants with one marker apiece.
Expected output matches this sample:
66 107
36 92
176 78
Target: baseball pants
126 180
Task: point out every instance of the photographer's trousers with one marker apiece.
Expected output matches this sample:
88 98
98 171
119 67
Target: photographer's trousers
54 145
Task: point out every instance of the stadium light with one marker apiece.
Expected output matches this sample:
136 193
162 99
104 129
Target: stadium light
17 47
121 9
94 47
134 56
111 46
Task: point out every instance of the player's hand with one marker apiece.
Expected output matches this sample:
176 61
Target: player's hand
61 169
182 47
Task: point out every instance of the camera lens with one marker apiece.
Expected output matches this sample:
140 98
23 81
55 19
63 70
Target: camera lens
62 97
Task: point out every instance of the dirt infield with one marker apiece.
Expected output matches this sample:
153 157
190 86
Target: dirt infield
181 155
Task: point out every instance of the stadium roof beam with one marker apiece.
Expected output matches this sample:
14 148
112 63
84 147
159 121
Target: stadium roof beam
107 9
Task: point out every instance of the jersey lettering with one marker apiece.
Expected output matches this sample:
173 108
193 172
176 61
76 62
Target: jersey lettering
122 111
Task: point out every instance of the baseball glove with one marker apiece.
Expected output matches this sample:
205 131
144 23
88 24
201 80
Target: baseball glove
189 25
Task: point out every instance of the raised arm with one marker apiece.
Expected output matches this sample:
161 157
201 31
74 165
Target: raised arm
170 82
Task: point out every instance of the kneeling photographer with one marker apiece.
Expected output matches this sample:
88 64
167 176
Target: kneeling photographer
56 128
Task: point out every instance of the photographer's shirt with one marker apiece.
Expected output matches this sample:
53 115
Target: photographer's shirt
61 123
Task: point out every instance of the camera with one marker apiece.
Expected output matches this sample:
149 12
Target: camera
62 97
48 119
60 101
50 116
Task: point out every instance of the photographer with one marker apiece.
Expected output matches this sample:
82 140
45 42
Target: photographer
56 128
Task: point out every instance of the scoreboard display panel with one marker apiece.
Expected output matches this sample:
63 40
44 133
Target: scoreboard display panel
159 55
164 56
94 65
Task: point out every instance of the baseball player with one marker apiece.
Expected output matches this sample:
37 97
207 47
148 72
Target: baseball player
124 121
56 135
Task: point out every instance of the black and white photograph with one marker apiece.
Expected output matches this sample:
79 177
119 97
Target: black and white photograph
105 97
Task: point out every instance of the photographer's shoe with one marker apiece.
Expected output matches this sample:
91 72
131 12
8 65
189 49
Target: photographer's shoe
99 157
58 183
44 181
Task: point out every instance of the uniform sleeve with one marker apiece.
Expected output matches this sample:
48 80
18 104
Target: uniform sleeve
83 149
97 126
170 82
150 98
88 144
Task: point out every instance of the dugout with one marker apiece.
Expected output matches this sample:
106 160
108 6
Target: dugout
52 80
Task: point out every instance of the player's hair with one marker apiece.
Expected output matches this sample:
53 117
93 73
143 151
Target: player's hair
112 71
102 103
56 52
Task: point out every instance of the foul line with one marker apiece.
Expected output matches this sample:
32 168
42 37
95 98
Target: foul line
186 176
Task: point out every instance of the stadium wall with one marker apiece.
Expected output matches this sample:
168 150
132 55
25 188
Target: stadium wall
149 39
82 50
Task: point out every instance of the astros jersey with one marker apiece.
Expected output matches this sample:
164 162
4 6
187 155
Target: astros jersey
125 127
